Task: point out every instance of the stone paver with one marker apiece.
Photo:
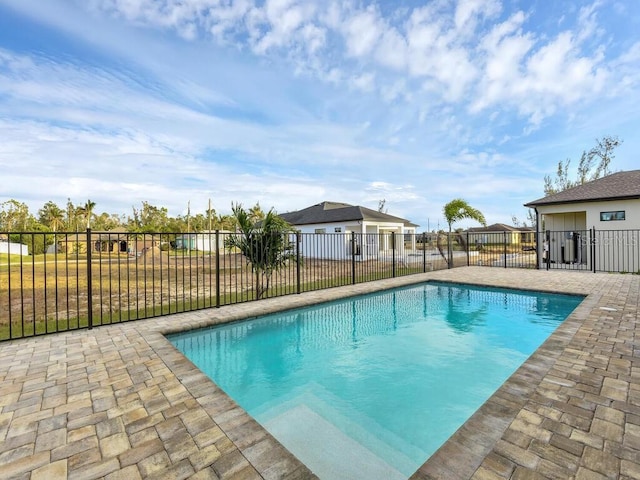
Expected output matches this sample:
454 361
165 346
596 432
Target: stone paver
120 402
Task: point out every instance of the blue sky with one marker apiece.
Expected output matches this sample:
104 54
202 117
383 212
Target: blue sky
292 102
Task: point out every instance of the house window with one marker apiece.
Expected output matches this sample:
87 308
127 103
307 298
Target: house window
610 216
337 229
321 230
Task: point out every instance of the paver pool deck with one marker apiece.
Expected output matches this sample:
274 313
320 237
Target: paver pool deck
120 402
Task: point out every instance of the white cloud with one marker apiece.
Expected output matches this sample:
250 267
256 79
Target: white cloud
435 55
46 163
536 76
267 100
398 90
362 32
392 50
364 82
314 38
587 25
459 53
628 73
505 47
469 12
282 19
391 193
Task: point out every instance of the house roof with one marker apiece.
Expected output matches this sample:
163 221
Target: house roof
118 233
617 186
336 212
499 227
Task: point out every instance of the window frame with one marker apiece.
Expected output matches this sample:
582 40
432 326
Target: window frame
613 216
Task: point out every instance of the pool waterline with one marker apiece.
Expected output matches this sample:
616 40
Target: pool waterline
312 406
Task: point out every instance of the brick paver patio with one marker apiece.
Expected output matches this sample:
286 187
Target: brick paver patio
119 402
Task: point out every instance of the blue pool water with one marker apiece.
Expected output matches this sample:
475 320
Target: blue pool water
371 386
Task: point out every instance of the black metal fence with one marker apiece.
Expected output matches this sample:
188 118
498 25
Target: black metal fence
502 249
52 282
592 250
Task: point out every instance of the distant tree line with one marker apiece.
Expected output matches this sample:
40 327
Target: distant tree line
260 237
16 217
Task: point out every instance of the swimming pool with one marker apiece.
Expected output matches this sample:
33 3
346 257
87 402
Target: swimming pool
375 384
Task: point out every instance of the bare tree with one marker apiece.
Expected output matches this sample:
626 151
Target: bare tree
588 169
15 216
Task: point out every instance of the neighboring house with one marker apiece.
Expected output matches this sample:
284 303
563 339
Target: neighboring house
376 232
115 241
501 233
69 243
593 214
203 241
13 248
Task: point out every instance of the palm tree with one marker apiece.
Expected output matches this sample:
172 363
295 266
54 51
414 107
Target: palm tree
264 244
457 209
71 217
106 221
52 216
88 211
256 214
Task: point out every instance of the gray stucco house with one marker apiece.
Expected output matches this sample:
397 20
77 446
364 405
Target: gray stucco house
597 221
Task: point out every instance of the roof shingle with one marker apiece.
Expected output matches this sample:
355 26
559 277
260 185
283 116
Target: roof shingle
617 186
499 227
333 212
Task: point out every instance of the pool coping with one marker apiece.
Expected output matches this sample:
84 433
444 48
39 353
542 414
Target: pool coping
571 410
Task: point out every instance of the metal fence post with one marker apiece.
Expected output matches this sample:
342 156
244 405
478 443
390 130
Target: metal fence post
393 254
547 247
217 268
504 248
89 284
424 252
353 258
593 249
298 262
468 258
